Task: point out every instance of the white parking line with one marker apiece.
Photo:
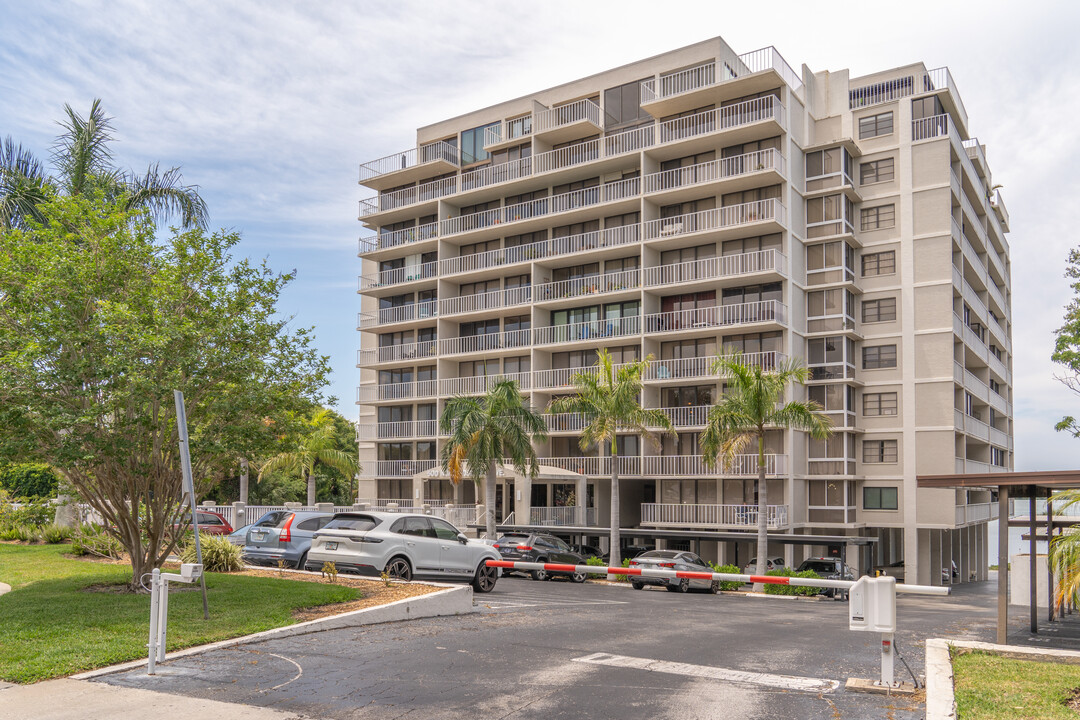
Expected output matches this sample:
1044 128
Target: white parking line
784 682
515 601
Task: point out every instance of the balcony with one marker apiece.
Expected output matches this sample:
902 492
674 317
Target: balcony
599 239
690 416
425 310
746 166
426 192
764 311
562 516
480 384
715 268
401 168
714 82
366 394
395 353
398 276
480 302
976 513
921 83
514 131
588 286
566 122
400 468
770 211
724 119
999 209
666 466
484 343
711 516
701 367
397 430
930 127
398 238
597 330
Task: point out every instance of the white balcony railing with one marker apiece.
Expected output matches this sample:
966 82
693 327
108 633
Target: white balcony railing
717 316
705 515
423 155
930 127
688 416
716 267
409 273
569 516
408 196
584 110
714 170
508 130
667 465
716 219
401 313
976 512
711 73
592 285
728 117
701 367
397 238
396 353
590 330
403 468
484 343
397 430
485 301
480 384
396 391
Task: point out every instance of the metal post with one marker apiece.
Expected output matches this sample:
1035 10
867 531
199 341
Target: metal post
1003 566
1033 577
163 617
155 582
189 488
1049 565
887 660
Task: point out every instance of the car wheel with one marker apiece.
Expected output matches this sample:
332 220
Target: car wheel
540 574
637 585
578 577
684 585
484 580
715 587
301 564
399 569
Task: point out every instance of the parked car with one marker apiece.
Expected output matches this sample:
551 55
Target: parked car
829 569
893 569
403 546
672 560
283 535
210 523
632 551
239 536
538 547
589 551
772 563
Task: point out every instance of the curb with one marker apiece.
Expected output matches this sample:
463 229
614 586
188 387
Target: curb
940 690
454 600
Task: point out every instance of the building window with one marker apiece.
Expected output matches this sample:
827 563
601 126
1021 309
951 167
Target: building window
472 144
877 218
997 456
879 451
829 215
877 404
880 310
622 105
875 125
882 263
879 356
880 498
876 171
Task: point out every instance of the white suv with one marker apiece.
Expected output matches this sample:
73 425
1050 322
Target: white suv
403 546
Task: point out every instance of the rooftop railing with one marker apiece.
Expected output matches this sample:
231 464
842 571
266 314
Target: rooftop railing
584 110
423 155
712 73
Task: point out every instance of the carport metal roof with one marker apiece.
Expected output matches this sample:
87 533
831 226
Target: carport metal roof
1031 485
787 538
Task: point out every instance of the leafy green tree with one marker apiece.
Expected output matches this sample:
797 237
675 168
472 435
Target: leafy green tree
610 400
83 162
752 403
318 446
1067 343
28 480
100 321
487 431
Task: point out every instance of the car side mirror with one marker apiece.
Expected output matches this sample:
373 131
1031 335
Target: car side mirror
462 539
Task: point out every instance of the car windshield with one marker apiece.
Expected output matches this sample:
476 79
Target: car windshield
273 519
511 539
352 522
662 554
818 566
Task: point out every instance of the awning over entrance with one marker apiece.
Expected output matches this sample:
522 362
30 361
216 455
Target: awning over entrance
1032 485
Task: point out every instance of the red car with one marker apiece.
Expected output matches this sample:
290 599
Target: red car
211 523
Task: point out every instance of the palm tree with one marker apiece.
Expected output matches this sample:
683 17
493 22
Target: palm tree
317 447
1065 551
487 431
84 164
610 401
750 405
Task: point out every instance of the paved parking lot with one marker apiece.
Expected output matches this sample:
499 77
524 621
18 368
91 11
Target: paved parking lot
557 650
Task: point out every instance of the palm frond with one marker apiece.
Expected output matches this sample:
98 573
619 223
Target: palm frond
165 195
82 150
287 462
23 185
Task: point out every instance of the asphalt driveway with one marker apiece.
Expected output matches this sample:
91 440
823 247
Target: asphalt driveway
557 650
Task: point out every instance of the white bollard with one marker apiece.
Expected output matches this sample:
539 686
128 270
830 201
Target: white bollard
155 580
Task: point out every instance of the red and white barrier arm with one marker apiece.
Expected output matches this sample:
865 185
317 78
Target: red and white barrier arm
723 577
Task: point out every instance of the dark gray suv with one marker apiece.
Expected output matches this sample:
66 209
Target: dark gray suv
283 535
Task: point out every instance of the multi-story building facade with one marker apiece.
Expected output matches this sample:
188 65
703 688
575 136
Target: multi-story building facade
693 204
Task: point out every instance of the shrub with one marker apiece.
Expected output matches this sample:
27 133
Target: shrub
29 480
54 534
218 554
32 513
788 589
730 569
93 540
20 533
595 561
623 578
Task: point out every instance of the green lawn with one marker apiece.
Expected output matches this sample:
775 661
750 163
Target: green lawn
51 625
990 687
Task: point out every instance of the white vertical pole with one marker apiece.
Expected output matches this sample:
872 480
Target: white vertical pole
152 644
887 653
189 487
163 618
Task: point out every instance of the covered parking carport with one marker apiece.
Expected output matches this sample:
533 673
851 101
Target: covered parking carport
1032 485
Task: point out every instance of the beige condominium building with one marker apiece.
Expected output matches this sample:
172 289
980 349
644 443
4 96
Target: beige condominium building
683 206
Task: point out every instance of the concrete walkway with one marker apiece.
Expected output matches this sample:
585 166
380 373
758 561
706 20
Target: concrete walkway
68 699
4 588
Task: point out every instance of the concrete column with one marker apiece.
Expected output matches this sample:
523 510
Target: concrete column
854 559
1033 566
581 497
1003 566
243 480
523 500
324 507
239 514
294 505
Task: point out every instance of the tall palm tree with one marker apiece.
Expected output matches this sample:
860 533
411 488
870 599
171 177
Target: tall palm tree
1065 551
610 400
84 163
318 447
750 405
487 431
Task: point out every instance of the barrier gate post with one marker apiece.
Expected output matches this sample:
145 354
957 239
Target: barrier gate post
159 609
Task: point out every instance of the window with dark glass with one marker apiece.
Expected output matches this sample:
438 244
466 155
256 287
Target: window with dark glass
698 252
752 244
926 107
876 404
875 125
395 413
478 368
472 144
879 356
879 451
479 327
678 349
753 293
516 322
880 498
881 263
425 372
747 196
880 310
877 218
393 377
690 396
876 171
517 364
575 229
748 343
622 105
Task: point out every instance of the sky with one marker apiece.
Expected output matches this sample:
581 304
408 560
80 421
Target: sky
270 107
